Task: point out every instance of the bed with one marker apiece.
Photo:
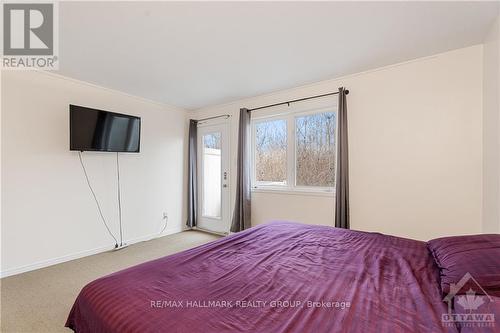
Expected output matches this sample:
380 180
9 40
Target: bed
277 277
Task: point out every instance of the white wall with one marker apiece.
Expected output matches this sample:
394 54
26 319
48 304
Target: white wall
491 135
48 213
415 148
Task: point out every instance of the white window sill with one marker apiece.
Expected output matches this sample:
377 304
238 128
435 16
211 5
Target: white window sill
296 191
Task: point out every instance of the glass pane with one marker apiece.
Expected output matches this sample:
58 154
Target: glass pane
212 175
315 135
270 151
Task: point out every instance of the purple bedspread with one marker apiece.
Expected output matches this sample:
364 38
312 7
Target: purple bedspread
264 280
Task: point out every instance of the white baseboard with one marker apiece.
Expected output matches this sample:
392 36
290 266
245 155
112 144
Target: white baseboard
81 254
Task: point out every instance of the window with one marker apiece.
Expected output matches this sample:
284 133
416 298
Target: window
295 152
212 175
315 149
270 152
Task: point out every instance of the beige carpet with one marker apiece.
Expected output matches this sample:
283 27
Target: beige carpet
39 301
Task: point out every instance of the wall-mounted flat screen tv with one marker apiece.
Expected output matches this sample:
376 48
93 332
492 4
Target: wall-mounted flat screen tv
98 130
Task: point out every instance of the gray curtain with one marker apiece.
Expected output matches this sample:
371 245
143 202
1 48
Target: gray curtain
342 175
192 181
242 206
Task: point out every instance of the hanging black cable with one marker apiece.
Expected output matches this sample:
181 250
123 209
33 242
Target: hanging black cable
119 198
95 199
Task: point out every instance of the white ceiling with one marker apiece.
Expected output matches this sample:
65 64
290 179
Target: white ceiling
197 54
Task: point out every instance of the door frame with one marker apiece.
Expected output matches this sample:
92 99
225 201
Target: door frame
207 223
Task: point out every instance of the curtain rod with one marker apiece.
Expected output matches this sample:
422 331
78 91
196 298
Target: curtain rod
209 118
296 100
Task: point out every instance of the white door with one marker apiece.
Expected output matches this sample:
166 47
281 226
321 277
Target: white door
213 176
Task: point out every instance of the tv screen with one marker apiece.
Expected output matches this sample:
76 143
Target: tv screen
97 130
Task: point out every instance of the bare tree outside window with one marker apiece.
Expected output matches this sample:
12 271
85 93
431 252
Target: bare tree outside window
270 151
211 141
315 149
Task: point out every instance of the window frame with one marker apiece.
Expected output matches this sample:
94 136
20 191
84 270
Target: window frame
291 152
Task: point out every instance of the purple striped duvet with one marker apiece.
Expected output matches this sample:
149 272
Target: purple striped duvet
278 277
